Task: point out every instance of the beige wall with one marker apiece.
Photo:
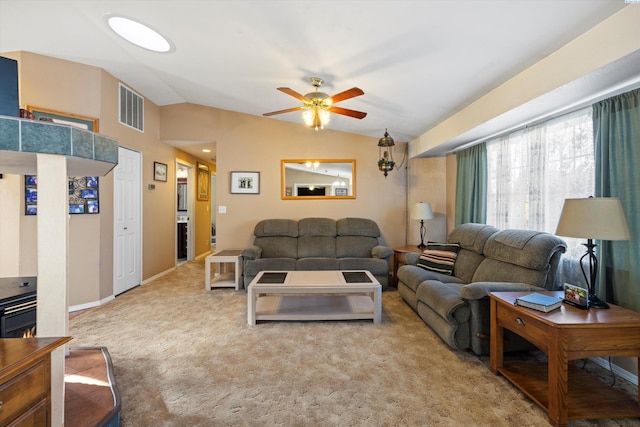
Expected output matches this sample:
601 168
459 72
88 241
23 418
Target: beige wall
252 143
88 91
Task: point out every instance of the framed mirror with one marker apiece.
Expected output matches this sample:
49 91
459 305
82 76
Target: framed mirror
304 179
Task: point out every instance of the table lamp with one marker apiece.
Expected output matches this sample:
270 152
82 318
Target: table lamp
421 211
600 218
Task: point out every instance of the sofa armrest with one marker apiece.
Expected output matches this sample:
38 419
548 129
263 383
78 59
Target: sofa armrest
381 252
478 290
252 252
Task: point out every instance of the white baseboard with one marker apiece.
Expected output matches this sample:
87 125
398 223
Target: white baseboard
604 363
111 297
163 273
90 304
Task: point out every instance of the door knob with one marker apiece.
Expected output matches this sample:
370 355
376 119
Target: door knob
125 228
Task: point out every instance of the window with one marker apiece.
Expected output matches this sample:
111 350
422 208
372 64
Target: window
532 171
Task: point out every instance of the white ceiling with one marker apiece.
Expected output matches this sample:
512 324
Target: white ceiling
418 62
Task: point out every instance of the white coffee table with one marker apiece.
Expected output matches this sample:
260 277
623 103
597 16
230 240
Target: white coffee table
314 295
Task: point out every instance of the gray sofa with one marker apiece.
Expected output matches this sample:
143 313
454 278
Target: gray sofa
456 306
316 244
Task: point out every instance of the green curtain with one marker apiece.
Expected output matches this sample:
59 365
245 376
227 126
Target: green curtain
616 135
471 185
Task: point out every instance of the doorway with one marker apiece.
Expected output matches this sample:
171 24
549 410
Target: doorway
185 177
127 220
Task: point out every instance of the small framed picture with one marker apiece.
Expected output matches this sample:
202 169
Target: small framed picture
76 209
92 182
203 181
89 194
31 210
245 182
31 195
93 207
31 180
159 172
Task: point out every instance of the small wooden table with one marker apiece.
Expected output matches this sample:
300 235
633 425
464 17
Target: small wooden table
223 278
399 256
566 334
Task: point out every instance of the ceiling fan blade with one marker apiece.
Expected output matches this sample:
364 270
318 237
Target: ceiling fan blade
294 94
349 93
288 110
346 112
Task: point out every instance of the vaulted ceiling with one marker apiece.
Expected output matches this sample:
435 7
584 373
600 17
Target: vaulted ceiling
418 62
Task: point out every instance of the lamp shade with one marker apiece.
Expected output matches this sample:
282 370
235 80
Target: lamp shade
600 218
421 210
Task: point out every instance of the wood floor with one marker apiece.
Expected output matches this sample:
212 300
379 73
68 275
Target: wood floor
91 395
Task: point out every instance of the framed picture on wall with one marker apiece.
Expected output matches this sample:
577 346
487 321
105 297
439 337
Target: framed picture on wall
61 118
245 182
204 180
159 172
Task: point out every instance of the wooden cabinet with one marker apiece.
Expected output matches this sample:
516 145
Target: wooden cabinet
25 380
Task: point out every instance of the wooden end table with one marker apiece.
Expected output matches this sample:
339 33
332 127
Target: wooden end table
566 334
399 258
223 278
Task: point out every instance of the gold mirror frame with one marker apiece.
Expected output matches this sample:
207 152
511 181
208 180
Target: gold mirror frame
301 178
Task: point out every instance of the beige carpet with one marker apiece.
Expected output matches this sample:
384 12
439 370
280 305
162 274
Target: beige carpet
184 356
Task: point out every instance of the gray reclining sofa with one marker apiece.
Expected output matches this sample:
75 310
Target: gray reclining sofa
316 244
456 306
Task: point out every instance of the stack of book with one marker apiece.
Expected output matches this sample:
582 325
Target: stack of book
539 302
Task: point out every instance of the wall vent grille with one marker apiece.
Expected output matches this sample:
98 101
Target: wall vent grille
131 108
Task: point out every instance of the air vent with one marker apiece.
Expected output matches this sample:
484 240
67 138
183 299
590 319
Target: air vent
131 108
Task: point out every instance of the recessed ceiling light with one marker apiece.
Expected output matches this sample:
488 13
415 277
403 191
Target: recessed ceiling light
206 150
139 34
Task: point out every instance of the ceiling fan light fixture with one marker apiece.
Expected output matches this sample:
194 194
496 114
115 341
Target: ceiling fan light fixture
139 34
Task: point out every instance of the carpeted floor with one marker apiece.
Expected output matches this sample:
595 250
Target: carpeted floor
184 356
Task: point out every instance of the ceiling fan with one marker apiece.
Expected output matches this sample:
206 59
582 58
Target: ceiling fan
317 105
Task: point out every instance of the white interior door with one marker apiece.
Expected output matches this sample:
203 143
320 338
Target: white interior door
127 214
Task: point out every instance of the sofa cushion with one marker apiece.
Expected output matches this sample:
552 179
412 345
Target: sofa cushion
439 257
412 276
472 236
316 246
317 263
355 246
491 270
276 227
277 246
529 249
357 227
317 227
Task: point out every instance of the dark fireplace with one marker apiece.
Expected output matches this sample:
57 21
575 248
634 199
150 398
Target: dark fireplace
17 307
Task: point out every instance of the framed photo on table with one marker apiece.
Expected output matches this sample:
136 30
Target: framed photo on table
245 182
204 180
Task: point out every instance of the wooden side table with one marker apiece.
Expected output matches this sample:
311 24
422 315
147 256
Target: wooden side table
566 334
223 278
399 258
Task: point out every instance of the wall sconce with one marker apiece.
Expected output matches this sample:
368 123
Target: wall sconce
385 154
385 151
